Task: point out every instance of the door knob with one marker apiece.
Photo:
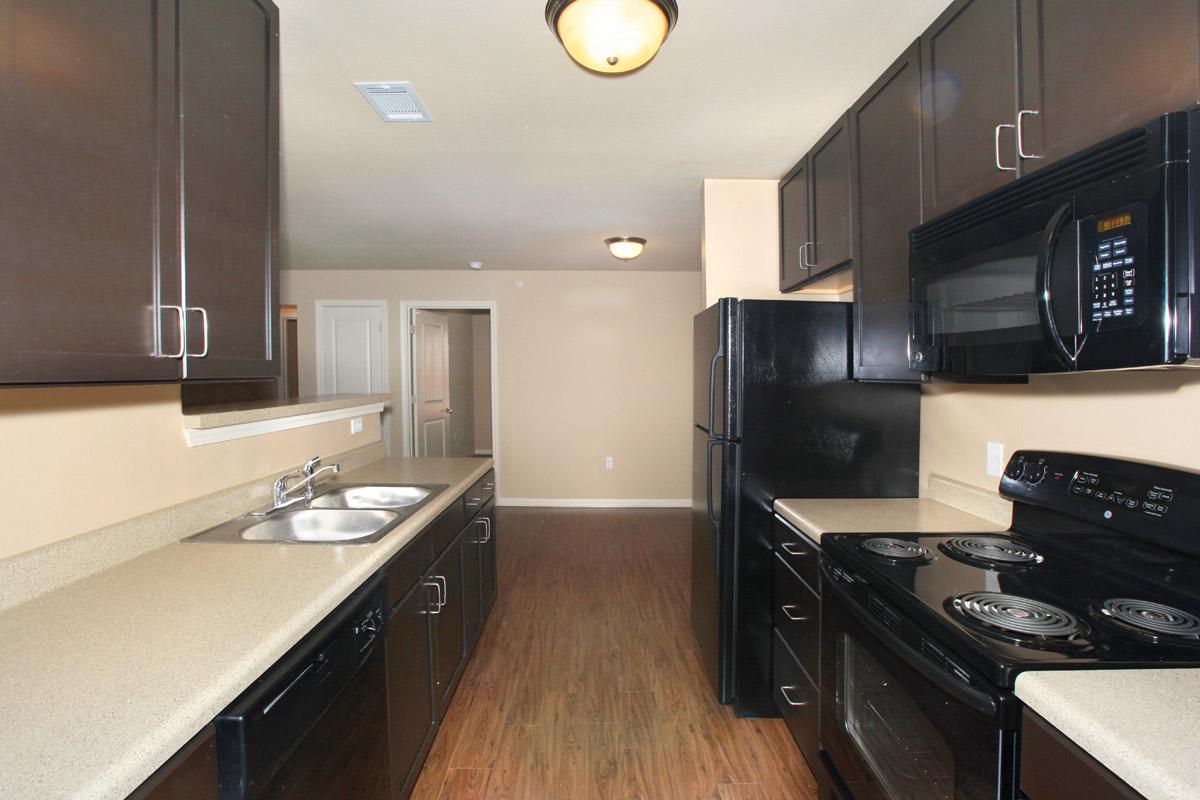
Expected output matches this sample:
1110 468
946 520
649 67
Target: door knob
448 410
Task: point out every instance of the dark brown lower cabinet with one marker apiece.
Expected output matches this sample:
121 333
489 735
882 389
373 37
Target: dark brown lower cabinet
797 647
191 774
1055 768
410 695
797 698
448 622
487 560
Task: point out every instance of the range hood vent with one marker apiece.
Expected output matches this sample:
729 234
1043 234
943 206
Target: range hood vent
394 102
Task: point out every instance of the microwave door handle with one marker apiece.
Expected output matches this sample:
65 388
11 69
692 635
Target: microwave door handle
1045 258
977 701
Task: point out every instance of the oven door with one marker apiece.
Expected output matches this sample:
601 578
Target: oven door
999 297
895 725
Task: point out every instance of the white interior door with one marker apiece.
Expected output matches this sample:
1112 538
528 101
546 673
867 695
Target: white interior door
350 353
431 382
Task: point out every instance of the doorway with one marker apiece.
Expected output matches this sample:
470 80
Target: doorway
449 370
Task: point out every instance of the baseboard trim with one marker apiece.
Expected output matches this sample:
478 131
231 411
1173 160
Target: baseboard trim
603 502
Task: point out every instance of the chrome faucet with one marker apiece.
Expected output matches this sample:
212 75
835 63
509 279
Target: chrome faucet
281 491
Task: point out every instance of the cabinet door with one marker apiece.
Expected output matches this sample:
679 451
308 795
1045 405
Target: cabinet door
487 561
190 774
793 227
469 545
410 694
829 165
448 640
228 75
1095 68
969 88
87 132
885 136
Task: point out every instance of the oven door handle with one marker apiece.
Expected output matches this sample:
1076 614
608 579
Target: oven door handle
1050 237
977 701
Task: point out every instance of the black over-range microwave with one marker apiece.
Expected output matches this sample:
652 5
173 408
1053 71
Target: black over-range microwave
1086 264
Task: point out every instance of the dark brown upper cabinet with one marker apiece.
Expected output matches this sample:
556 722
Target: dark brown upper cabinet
229 96
830 178
885 142
969 105
814 211
1091 69
89 208
794 240
138 155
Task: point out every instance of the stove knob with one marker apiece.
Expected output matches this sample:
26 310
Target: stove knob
1015 467
1034 473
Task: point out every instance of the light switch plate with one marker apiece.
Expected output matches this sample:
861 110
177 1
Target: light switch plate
356 425
995 459
608 462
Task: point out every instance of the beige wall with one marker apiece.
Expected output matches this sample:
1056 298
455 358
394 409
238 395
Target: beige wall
481 362
741 244
79 458
1149 416
460 440
590 364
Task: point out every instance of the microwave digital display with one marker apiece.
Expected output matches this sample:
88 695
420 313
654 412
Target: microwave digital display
1112 223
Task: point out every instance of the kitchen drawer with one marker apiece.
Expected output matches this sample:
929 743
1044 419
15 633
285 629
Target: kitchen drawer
798 617
478 495
799 553
445 528
407 566
797 699
487 486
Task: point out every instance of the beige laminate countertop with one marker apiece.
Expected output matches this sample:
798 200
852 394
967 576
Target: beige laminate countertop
1140 723
880 515
103 680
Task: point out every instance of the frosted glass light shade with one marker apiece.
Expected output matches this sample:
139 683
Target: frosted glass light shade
626 248
611 36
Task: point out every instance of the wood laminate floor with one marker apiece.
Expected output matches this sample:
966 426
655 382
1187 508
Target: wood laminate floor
586 682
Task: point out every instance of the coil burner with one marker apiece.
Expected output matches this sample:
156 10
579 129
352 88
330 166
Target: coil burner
992 551
895 549
1153 621
1019 620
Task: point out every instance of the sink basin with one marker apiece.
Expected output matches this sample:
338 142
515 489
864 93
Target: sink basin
323 525
372 497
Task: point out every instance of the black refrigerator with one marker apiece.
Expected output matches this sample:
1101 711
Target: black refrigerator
776 415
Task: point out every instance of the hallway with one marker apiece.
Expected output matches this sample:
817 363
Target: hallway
585 683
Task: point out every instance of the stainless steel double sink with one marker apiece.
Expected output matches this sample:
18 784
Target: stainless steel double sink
337 513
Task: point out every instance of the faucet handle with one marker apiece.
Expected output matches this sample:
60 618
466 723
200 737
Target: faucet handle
311 465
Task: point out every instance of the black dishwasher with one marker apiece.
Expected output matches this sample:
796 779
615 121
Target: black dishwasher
315 724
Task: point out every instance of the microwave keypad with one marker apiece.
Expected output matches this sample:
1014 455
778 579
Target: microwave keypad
1114 281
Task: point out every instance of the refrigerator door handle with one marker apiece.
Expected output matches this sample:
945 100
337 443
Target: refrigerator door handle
712 390
708 490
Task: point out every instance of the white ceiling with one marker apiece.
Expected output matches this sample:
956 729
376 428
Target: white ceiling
531 162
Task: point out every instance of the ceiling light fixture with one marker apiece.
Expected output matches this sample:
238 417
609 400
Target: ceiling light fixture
611 36
626 248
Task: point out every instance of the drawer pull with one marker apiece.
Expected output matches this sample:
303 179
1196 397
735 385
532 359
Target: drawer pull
789 612
784 691
793 549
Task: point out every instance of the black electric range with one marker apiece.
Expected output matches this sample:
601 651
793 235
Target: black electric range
926 634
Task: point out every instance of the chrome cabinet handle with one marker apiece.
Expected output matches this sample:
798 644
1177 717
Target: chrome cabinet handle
792 549
487 530
1021 130
204 319
1000 166
788 611
784 691
182 344
436 608
809 264
801 253
444 592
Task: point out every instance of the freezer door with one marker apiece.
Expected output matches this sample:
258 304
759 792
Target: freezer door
710 365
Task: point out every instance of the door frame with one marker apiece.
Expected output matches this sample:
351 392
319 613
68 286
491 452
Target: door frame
405 394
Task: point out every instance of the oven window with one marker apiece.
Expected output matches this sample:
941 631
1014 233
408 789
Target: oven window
994 290
907 753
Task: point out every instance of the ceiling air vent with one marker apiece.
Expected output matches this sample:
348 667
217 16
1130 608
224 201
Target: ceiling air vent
394 102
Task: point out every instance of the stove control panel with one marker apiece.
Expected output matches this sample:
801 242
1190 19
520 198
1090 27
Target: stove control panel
1156 503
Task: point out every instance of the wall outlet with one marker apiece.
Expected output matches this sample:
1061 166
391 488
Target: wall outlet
995 459
356 425
608 462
